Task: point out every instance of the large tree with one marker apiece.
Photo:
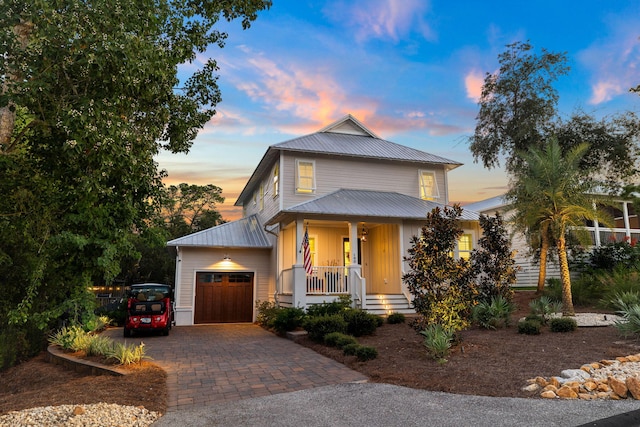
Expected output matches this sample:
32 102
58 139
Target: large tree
90 94
550 195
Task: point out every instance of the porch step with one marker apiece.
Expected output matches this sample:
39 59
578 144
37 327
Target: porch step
383 304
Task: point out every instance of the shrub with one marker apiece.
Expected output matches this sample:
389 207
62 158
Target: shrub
545 307
70 338
350 349
359 322
615 254
563 324
329 308
364 353
437 340
535 318
379 321
494 314
98 346
338 339
395 318
630 325
127 354
267 312
529 327
19 343
287 319
319 326
623 300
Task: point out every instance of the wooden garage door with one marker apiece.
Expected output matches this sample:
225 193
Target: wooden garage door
224 297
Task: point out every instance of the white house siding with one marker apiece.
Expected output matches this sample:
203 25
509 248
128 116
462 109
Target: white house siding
334 173
193 260
271 204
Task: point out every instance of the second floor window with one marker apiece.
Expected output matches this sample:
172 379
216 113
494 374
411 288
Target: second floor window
305 176
428 185
261 196
276 179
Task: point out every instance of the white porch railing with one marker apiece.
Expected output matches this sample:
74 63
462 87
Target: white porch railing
608 235
327 280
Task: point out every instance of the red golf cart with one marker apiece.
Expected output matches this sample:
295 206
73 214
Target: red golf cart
149 308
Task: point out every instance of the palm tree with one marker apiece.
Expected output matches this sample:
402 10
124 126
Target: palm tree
551 196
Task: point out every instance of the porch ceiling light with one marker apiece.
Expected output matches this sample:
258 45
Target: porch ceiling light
363 236
226 257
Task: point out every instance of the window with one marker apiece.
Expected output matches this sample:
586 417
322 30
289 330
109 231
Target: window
428 185
261 196
465 246
305 177
276 179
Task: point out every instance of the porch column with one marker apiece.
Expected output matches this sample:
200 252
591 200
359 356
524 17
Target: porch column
627 225
596 230
354 269
299 274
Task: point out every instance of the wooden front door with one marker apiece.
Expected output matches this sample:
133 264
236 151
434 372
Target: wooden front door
224 297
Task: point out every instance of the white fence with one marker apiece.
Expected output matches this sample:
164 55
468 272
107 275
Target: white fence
327 280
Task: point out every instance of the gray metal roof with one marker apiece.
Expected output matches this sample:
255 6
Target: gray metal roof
366 203
491 204
340 144
243 233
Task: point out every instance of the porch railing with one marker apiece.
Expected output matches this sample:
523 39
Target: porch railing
286 281
608 235
327 280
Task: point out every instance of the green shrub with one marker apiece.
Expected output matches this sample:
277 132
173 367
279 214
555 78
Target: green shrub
98 346
529 327
438 340
351 349
630 325
380 321
545 307
329 308
19 343
338 339
266 313
493 314
127 354
621 301
535 318
319 326
364 353
395 318
563 324
359 322
70 338
287 319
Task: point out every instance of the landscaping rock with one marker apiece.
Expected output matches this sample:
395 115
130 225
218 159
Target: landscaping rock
608 379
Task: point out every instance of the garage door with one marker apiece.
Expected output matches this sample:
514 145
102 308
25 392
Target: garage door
224 297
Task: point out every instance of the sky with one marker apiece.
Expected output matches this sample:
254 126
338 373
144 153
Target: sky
409 70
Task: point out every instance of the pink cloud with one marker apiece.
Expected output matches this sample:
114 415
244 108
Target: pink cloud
473 82
604 91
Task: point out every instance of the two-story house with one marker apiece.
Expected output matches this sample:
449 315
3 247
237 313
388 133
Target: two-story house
342 202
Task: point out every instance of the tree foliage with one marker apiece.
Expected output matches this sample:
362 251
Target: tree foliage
550 195
518 111
493 263
90 94
442 287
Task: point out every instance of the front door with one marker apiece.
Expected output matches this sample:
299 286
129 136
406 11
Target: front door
224 298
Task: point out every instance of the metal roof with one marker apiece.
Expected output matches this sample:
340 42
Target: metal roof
372 204
342 144
488 204
243 233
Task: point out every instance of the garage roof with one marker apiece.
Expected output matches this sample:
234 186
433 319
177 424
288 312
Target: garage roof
243 233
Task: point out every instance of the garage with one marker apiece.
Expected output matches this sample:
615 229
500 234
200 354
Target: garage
223 297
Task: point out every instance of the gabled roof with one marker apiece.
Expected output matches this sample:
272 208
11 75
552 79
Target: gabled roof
367 203
243 233
347 137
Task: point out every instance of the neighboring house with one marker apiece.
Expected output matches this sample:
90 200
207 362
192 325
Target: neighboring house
357 197
626 227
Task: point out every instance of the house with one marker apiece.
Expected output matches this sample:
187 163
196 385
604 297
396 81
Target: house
626 227
344 199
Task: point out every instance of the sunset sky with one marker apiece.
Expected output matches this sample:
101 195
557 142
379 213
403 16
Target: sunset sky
410 70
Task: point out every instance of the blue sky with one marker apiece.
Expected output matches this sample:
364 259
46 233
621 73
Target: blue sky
410 70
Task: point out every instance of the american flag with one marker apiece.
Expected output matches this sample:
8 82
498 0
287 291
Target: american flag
307 252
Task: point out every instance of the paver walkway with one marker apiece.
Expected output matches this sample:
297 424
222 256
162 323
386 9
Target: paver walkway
208 364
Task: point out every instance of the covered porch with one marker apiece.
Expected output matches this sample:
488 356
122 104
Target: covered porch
359 258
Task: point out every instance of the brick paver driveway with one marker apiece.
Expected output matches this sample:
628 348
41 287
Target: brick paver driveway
215 363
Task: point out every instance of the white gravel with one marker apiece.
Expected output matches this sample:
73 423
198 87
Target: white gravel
95 415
